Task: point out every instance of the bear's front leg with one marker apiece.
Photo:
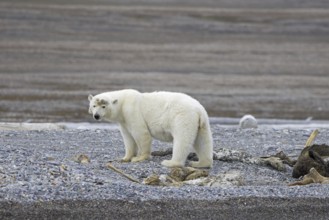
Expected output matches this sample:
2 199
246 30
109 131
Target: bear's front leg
130 145
143 142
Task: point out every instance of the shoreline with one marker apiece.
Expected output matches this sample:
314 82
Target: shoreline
220 121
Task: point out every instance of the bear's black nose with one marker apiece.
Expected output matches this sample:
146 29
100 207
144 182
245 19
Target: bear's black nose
96 117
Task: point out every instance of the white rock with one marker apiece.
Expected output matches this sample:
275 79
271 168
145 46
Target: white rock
248 121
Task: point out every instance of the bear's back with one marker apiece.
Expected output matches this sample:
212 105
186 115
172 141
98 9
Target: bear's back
170 102
172 98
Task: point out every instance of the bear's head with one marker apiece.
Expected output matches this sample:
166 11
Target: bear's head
102 108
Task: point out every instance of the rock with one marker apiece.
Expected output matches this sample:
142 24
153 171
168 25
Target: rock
82 158
248 121
312 156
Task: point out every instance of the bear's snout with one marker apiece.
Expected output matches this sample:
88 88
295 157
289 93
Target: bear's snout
97 117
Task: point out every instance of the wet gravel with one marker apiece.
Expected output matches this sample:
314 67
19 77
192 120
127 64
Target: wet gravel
40 167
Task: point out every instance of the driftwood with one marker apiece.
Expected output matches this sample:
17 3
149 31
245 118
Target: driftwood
109 165
311 138
312 177
309 162
187 173
223 154
285 159
162 153
176 177
179 176
192 176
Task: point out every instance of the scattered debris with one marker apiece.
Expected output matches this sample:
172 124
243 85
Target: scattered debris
179 176
310 163
176 177
187 173
248 121
278 160
157 180
285 159
162 153
109 165
62 168
312 177
192 176
230 178
233 155
228 155
309 159
312 137
82 158
312 156
274 162
223 154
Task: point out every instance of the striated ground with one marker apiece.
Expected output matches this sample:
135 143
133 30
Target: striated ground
40 178
267 58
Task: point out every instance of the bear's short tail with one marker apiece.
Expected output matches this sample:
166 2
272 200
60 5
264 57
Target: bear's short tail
203 121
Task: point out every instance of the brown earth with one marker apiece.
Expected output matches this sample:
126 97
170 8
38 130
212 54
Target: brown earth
264 58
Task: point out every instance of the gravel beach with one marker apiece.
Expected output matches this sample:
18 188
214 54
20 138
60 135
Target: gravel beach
40 178
261 57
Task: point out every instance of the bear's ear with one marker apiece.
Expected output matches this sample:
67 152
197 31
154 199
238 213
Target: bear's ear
115 102
90 97
103 102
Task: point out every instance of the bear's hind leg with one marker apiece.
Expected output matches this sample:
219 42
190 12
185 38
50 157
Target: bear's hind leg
178 159
184 133
181 148
204 149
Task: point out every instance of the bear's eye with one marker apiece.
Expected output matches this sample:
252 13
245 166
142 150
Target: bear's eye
94 106
103 106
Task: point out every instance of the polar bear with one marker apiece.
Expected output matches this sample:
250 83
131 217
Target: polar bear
166 116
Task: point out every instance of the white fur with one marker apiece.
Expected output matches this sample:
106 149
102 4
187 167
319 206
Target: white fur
166 116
